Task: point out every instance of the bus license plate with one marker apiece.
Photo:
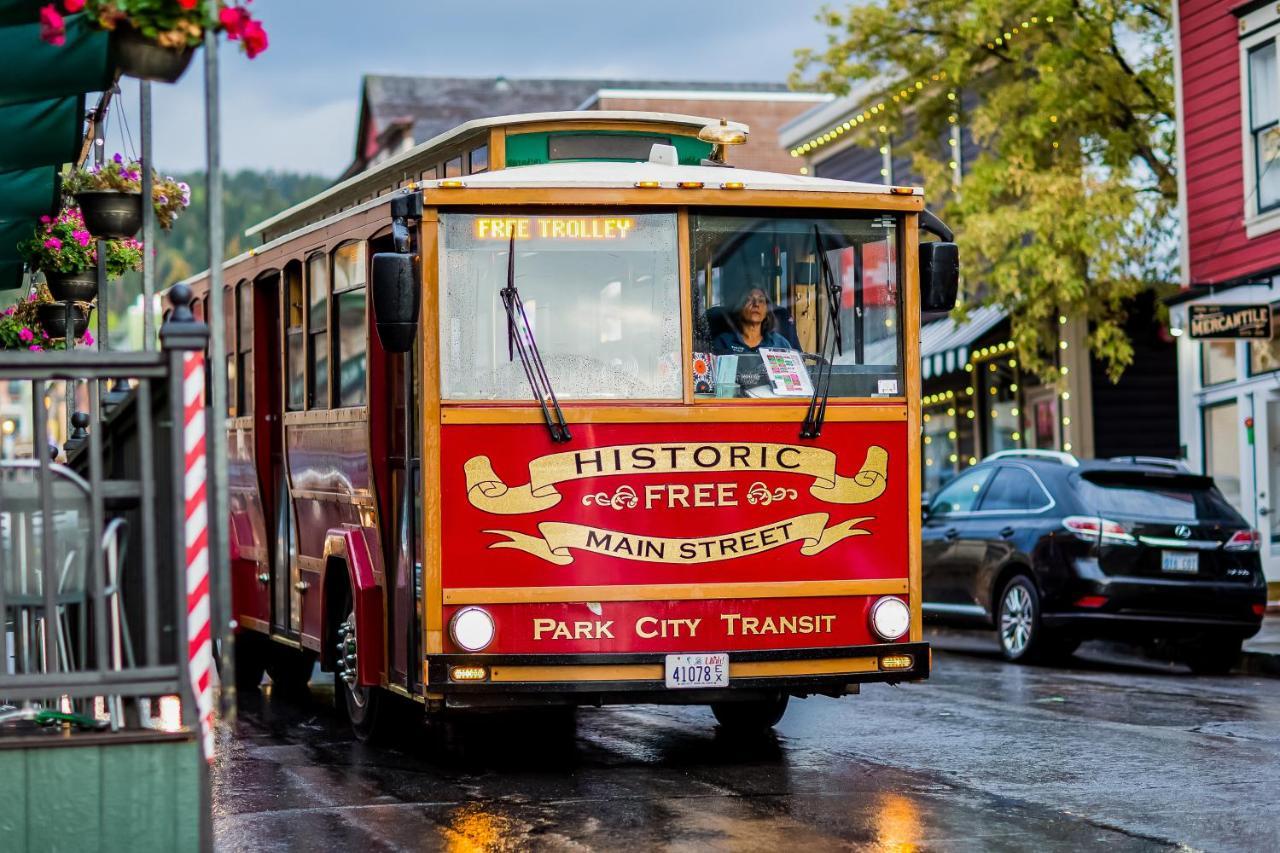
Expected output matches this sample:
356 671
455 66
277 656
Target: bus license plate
704 670
1180 561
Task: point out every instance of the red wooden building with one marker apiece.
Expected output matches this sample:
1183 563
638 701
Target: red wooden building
1228 88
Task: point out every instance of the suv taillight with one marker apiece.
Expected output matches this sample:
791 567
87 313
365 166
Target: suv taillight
1091 528
1244 540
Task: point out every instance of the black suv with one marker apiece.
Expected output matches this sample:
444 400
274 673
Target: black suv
1051 550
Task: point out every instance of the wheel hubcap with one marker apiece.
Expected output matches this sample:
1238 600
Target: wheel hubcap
348 657
1015 620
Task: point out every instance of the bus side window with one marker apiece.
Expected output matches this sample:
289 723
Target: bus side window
430 174
479 159
318 331
294 369
244 364
229 317
453 168
349 298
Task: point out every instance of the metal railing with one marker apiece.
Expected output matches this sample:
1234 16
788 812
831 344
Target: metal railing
81 624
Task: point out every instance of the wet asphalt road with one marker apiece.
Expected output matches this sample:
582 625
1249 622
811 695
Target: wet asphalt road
1110 752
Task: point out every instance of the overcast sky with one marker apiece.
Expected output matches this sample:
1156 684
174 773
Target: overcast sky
294 107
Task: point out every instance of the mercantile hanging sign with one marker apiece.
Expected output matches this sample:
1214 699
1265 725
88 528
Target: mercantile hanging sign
1230 321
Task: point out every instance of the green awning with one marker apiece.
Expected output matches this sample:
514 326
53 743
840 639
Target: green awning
42 101
51 132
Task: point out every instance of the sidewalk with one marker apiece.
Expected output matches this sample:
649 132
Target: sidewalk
1261 654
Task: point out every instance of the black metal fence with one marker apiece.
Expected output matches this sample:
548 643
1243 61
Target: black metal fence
92 543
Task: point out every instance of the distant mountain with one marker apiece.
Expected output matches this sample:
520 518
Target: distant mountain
248 197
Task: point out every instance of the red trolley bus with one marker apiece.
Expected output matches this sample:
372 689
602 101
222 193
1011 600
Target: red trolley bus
560 409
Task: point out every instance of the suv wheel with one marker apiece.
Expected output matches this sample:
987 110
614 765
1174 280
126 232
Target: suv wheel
1023 638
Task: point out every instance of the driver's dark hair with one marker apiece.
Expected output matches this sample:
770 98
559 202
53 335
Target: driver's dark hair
741 302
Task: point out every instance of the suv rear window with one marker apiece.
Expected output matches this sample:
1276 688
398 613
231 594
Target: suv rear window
1184 497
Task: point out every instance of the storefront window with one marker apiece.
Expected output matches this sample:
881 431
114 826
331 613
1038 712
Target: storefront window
999 402
1217 362
1264 356
1222 449
940 453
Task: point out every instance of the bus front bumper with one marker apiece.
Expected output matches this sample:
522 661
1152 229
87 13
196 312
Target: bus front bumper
458 680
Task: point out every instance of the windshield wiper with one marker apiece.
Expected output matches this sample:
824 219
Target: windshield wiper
833 346
520 340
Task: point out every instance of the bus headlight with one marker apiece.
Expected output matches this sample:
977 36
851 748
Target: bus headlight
890 617
472 629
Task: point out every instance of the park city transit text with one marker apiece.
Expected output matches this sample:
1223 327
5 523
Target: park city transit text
651 627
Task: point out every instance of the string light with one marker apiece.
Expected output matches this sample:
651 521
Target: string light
909 91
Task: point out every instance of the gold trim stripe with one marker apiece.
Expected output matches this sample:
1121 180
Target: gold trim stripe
668 412
654 671
673 592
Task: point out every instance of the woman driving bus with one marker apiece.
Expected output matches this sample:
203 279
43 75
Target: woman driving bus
751 326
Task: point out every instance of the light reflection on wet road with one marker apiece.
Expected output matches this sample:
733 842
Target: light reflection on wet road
1110 752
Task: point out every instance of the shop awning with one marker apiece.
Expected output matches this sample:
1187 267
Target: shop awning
42 106
944 344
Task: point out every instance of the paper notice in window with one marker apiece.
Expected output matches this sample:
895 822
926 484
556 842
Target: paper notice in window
787 373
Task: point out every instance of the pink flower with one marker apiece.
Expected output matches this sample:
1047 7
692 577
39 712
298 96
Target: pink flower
53 29
26 336
233 20
255 38
88 339
53 243
82 237
36 348
72 6
188 4
46 219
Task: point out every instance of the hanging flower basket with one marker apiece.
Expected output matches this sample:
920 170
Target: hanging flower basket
111 214
138 56
154 39
80 286
52 317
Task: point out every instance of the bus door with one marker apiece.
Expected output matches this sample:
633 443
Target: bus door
287 395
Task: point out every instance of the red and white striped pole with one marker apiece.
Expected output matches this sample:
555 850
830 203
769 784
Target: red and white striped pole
199 628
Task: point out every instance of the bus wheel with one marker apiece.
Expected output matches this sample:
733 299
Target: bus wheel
364 707
751 717
290 669
251 650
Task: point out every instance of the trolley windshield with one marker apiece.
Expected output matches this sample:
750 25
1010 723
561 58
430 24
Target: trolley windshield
776 296
600 290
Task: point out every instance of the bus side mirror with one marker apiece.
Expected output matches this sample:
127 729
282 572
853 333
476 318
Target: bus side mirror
396 295
939 275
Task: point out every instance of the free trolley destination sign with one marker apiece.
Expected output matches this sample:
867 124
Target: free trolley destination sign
1231 321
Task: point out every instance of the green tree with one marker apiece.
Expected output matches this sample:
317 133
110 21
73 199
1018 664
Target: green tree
248 197
1069 208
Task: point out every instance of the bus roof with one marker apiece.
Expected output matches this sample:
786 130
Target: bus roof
614 175
390 166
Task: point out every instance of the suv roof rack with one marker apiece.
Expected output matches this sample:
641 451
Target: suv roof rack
1154 461
1028 453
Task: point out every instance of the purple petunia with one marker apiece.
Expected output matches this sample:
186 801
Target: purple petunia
118 158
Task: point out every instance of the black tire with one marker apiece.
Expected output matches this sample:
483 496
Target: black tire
1214 657
1022 636
251 651
290 669
751 717
365 708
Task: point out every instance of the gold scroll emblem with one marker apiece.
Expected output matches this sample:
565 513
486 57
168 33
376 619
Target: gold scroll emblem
487 492
557 539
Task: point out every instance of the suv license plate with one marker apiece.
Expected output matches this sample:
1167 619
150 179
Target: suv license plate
704 670
1180 561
